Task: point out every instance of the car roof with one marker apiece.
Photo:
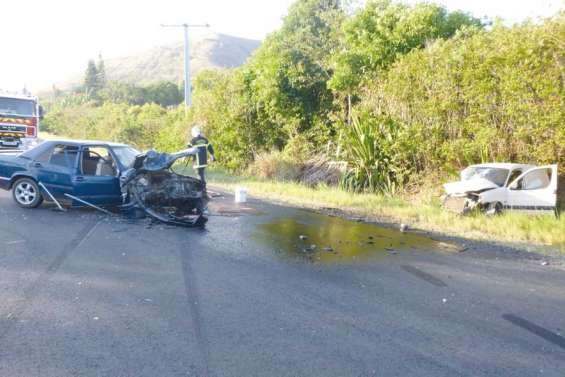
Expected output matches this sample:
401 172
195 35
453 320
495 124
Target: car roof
503 165
38 150
84 142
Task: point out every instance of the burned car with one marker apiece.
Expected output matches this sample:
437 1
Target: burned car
499 186
152 187
98 173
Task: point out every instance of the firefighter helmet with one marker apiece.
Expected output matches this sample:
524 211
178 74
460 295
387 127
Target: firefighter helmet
196 131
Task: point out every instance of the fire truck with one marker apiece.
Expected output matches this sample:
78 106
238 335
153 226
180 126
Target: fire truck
19 120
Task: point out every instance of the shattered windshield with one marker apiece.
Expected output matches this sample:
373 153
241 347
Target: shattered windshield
496 175
126 155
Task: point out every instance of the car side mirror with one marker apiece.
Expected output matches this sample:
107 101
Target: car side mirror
41 112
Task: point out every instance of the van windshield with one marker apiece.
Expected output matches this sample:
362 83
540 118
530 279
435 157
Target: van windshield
495 175
16 106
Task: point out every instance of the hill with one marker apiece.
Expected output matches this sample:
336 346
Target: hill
166 62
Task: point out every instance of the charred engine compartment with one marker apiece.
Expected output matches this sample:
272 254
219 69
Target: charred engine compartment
162 194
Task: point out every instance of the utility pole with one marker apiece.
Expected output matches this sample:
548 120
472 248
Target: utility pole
187 85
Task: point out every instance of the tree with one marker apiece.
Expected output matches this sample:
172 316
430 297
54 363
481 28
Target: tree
121 92
164 93
289 72
489 95
91 78
376 36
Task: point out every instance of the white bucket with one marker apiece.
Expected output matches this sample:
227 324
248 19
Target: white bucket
240 194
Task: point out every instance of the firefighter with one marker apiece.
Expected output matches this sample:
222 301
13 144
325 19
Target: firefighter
203 147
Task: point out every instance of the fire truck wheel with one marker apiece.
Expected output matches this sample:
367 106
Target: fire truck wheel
26 193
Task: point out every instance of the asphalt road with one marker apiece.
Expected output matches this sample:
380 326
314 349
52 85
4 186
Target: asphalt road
82 294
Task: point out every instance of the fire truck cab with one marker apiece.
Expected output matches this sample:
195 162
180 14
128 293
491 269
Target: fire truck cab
19 120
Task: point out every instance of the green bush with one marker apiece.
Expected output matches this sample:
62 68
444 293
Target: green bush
368 146
493 95
145 127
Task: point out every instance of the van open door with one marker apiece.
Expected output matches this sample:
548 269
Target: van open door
535 190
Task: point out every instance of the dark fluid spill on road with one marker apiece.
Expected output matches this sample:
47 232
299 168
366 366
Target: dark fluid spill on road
322 239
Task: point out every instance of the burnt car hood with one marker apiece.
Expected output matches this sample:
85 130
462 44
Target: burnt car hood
152 187
469 186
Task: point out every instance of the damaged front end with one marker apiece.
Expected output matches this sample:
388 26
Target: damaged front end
462 203
151 187
495 187
464 196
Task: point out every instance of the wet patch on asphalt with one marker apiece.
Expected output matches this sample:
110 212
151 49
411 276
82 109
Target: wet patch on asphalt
321 239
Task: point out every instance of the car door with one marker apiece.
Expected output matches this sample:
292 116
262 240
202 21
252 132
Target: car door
534 190
56 168
97 181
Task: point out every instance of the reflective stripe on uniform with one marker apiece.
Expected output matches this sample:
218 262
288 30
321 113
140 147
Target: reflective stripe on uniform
198 165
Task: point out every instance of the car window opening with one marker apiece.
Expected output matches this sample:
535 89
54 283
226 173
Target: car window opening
44 156
126 155
98 162
514 175
536 180
64 155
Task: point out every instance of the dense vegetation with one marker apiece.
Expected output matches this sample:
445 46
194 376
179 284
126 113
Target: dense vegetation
394 91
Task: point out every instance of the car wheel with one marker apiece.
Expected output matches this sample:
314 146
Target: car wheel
494 208
26 193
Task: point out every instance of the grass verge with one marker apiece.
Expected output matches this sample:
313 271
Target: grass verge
537 233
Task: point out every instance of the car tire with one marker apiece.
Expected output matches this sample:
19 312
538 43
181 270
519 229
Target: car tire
26 193
494 208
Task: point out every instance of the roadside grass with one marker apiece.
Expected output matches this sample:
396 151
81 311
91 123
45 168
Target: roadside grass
48 136
538 233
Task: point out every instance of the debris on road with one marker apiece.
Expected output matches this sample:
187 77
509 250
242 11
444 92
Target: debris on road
240 194
15 242
60 208
310 248
89 204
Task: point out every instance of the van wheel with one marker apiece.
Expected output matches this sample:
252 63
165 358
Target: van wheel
494 208
26 193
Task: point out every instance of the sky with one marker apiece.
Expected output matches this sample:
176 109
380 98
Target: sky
47 41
